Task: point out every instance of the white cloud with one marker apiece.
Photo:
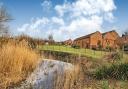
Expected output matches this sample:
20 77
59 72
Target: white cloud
47 4
109 17
74 19
57 20
23 28
86 8
34 27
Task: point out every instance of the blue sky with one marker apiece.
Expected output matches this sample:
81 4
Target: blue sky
66 18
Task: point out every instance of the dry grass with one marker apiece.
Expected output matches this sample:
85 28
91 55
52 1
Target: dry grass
71 79
17 60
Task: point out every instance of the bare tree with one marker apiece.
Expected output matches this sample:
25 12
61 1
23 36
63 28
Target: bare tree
4 18
50 39
126 33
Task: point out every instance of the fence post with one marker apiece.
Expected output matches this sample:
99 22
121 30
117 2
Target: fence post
79 55
53 48
123 51
94 52
101 51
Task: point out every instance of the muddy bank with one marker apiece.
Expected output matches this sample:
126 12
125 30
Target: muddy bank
62 56
86 63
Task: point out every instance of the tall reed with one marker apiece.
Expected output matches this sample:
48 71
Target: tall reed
17 60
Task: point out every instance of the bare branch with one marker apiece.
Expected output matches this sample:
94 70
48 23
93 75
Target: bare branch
4 18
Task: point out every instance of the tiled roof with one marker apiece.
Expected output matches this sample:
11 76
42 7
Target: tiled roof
108 32
86 36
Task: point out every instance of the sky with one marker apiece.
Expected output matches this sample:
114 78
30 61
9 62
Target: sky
66 19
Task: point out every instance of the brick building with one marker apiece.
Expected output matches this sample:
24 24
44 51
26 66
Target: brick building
97 39
122 40
109 39
89 41
68 42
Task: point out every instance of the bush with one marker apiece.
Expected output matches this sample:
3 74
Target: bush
116 56
126 48
105 85
16 62
119 72
75 46
109 49
31 42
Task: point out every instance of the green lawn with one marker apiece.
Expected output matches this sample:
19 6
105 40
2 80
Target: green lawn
125 58
83 52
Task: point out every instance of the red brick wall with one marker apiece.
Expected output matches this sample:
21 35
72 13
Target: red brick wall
109 39
89 42
94 39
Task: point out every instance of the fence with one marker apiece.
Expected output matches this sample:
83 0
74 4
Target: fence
79 51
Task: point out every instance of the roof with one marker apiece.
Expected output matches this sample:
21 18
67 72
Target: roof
86 36
122 40
109 32
125 39
68 40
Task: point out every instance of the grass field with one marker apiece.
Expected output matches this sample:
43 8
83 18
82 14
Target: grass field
91 66
81 51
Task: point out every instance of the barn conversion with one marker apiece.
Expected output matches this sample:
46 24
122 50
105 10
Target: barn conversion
89 41
68 42
109 39
123 42
98 39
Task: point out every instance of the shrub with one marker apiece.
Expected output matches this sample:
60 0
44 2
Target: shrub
31 42
116 56
118 71
75 46
105 85
16 62
126 48
109 49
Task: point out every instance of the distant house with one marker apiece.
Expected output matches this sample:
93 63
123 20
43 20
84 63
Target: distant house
68 42
97 39
125 39
122 41
89 41
109 39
